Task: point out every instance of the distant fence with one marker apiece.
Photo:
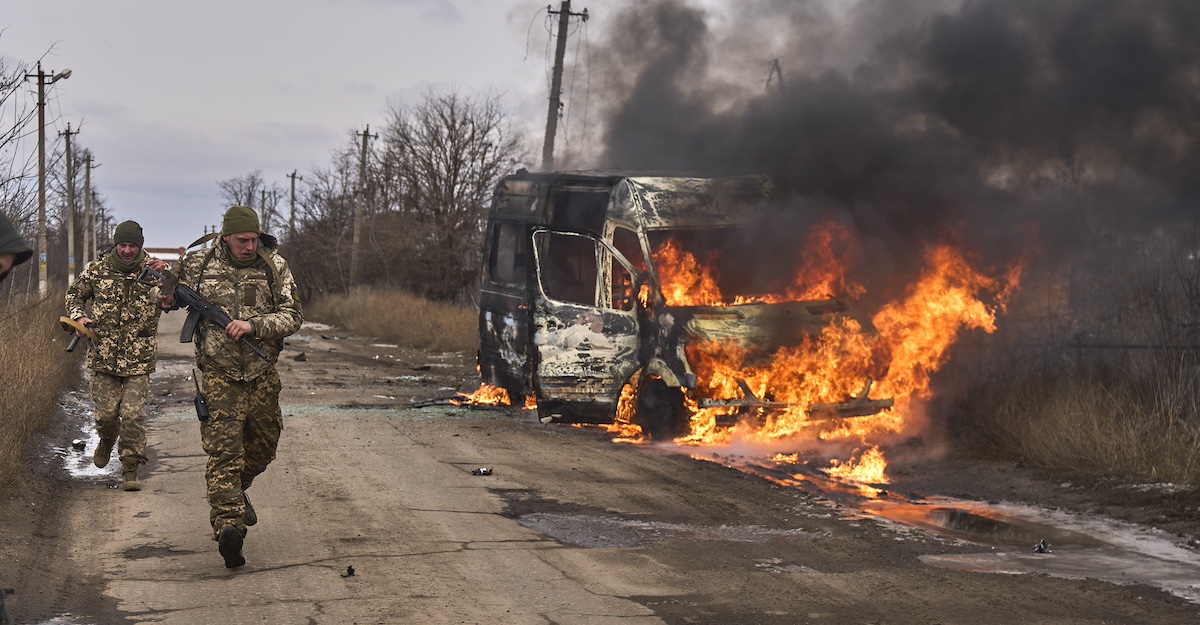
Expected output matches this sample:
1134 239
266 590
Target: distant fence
177 251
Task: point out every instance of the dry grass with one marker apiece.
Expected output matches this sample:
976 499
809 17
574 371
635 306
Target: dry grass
1128 426
400 318
35 372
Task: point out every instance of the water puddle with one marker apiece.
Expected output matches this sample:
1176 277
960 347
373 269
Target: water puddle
76 454
1012 538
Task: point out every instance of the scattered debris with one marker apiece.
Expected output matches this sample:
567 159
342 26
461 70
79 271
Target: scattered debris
436 401
78 444
1042 547
300 357
349 572
481 471
422 367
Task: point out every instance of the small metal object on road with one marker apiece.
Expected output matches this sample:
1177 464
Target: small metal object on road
78 444
481 471
1042 547
349 572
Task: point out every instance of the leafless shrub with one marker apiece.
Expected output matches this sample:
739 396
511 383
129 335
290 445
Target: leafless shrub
36 372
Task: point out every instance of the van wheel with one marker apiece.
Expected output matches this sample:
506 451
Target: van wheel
660 410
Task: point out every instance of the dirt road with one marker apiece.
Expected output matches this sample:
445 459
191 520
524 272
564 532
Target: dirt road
567 528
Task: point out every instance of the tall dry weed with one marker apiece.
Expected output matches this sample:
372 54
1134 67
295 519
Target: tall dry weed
1131 427
34 373
400 318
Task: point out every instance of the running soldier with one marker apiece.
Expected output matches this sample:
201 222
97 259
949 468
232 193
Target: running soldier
124 316
244 276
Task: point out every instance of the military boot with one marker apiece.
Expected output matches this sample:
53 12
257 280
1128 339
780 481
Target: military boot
229 543
129 478
103 453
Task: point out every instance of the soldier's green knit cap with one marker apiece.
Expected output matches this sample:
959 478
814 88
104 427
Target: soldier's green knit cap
239 219
129 232
12 243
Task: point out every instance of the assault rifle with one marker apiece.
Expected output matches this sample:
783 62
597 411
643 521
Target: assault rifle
70 325
198 307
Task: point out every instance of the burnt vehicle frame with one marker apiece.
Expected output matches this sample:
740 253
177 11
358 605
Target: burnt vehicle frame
572 309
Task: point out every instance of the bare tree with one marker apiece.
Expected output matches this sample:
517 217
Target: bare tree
424 201
253 191
439 162
319 253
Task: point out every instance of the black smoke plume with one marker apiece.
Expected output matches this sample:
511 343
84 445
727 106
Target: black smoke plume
1069 125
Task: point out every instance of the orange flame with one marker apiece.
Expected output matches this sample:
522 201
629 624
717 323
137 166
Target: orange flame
486 395
912 341
684 281
623 426
868 470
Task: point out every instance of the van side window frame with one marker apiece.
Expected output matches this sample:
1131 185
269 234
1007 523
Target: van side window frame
604 254
506 265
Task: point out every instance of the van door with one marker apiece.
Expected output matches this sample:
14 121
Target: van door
503 312
585 330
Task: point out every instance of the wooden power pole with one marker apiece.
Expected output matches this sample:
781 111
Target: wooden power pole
292 212
359 199
89 227
560 50
70 206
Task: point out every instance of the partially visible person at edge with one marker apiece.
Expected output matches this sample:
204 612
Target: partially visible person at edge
124 317
13 249
244 276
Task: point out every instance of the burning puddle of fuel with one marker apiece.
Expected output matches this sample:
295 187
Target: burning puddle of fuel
1015 538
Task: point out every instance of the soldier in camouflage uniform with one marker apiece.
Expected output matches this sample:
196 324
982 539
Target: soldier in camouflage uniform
125 318
244 276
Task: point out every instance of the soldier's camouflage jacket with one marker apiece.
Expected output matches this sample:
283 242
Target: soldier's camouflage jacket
124 316
267 299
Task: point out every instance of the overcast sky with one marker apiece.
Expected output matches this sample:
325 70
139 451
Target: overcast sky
172 97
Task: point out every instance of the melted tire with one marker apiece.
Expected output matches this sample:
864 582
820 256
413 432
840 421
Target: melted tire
660 410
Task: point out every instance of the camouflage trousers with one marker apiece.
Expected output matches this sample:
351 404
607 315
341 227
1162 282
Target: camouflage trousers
240 439
120 403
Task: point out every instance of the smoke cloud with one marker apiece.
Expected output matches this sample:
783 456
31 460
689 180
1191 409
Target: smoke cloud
1000 124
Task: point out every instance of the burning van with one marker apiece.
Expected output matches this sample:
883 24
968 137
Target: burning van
603 291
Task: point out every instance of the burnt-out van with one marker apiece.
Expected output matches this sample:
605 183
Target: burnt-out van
573 307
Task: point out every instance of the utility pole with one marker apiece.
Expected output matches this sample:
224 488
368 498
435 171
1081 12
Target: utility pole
776 74
359 199
42 81
560 49
89 234
292 213
70 206
266 227
102 222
